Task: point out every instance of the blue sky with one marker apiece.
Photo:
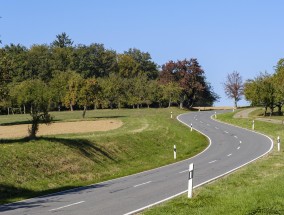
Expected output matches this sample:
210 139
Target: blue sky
224 35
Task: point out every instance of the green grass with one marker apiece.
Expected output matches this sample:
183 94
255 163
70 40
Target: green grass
257 188
58 162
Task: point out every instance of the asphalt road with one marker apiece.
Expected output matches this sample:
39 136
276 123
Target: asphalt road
230 148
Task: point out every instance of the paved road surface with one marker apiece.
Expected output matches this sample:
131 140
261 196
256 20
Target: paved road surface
230 148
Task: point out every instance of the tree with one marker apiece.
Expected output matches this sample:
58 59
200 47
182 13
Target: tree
145 65
190 77
37 97
234 87
261 91
73 86
94 60
87 93
62 41
39 62
278 79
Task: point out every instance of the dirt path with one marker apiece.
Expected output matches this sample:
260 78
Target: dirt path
245 114
16 131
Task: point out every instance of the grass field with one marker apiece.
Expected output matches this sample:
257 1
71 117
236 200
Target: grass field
58 162
255 189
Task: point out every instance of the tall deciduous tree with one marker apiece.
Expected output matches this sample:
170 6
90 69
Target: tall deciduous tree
36 95
234 87
87 92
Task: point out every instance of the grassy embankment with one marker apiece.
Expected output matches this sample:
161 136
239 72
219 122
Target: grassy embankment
255 189
54 163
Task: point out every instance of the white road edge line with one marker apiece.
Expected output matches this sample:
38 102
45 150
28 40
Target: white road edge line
76 203
212 179
138 185
229 155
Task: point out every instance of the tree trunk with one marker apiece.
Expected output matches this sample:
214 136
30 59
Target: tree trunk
33 130
84 111
71 107
24 109
279 109
265 110
236 104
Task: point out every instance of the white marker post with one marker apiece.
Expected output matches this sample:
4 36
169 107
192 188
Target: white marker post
191 127
175 152
252 124
190 178
215 115
233 109
171 114
278 143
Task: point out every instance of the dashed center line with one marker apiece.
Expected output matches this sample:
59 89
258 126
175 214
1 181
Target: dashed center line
208 125
201 122
184 171
212 161
226 132
138 185
216 127
235 136
229 155
76 203
238 147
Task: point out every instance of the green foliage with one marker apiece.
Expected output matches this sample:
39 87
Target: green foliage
35 95
123 80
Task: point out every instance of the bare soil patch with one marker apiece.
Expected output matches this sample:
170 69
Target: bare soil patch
15 131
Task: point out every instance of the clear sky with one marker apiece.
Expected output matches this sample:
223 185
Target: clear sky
224 35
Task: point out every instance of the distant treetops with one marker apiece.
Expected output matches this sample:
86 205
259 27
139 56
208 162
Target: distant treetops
91 76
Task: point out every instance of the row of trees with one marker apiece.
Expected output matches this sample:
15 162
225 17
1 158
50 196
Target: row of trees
93 76
63 76
267 90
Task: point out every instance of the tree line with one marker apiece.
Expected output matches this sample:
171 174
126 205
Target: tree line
267 90
91 76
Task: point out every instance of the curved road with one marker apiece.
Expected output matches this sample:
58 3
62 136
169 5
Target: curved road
230 148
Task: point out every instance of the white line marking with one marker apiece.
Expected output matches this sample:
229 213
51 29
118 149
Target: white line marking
201 122
226 132
216 127
208 125
66 206
238 148
212 161
240 142
138 185
229 155
184 171
235 137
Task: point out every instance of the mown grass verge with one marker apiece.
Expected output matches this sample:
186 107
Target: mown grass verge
255 189
59 162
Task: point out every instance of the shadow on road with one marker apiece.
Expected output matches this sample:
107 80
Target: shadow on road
44 196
